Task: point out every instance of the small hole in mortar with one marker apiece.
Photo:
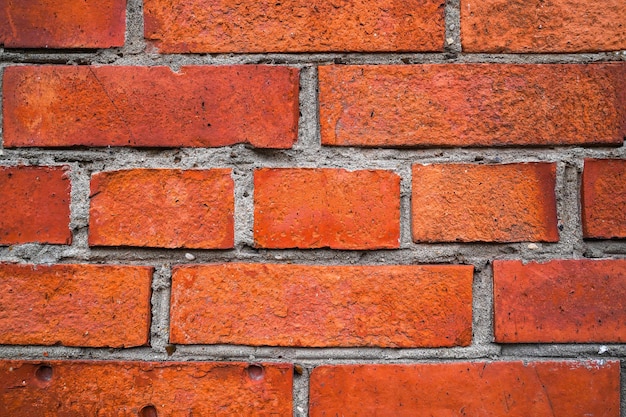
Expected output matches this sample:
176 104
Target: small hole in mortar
148 411
44 373
255 372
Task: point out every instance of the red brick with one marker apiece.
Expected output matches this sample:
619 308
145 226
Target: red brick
473 104
168 208
316 208
484 203
542 26
75 305
604 198
294 26
562 301
35 205
62 23
90 388
199 106
512 389
322 306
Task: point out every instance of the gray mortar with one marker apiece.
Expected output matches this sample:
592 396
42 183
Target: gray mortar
308 152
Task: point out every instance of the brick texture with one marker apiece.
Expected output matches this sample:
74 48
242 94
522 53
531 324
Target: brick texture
62 23
199 106
322 306
604 198
487 203
561 301
512 389
145 389
294 25
167 208
75 305
316 208
542 26
473 105
34 205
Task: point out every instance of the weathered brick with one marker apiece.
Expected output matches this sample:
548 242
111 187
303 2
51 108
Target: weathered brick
62 23
75 305
473 104
199 106
167 208
542 26
560 301
294 26
322 306
146 389
604 198
34 205
316 208
512 389
485 203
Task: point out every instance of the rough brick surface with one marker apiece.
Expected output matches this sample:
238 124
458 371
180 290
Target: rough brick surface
34 205
75 305
604 198
315 208
563 301
62 23
322 306
145 389
167 208
512 389
542 26
199 106
473 104
486 203
294 25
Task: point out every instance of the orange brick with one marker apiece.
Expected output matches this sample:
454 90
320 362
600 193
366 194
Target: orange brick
316 208
540 26
604 198
62 23
107 388
35 205
75 305
200 106
322 306
484 203
512 389
562 301
167 208
294 26
473 104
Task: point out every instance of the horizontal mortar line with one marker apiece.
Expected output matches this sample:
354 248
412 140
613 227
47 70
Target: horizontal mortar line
320 356
313 157
116 57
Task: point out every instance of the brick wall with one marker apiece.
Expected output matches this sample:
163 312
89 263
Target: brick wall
314 208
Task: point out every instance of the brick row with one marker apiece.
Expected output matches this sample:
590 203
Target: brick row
311 208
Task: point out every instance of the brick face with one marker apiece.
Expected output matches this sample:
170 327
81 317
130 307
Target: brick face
199 106
144 388
294 26
560 301
487 203
604 198
62 23
35 205
166 208
540 26
512 389
75 305
322 306
472 105
316 208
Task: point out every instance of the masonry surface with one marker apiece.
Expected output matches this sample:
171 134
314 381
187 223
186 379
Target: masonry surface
313 208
